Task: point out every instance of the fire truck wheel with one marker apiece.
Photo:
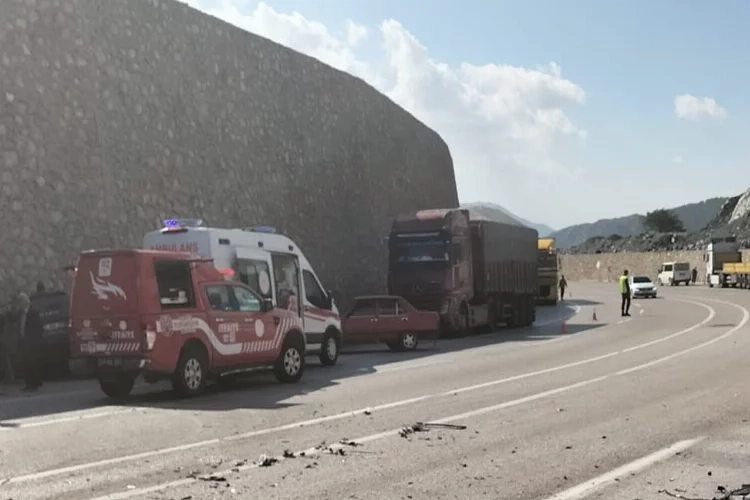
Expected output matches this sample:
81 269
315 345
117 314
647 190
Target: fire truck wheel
192 370
290 364
117 388
329 350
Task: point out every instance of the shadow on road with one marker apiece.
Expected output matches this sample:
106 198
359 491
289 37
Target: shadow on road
262 391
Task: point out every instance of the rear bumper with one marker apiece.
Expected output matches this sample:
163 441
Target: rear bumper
105 366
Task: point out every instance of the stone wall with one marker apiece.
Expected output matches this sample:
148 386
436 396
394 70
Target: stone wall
117 113
582 267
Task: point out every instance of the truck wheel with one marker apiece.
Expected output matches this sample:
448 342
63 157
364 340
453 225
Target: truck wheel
329 350
189 378
290 365
671 282
118 387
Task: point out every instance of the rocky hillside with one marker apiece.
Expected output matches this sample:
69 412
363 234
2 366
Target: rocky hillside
694 216
732 219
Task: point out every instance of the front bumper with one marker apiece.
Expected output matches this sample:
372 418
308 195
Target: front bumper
644 293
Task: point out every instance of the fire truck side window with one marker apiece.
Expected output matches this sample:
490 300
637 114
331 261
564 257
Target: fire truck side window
256 275
175 284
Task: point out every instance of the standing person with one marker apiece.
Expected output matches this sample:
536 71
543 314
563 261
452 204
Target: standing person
7 348
695 275
563 286
625 293
30 333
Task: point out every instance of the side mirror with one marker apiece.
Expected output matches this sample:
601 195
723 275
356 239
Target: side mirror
329 294
266 305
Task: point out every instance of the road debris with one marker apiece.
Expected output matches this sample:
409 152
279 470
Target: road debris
214 478
741 493
408 430
266 461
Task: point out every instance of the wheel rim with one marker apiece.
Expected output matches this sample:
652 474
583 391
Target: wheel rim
292 361
409 340
331 348
193 374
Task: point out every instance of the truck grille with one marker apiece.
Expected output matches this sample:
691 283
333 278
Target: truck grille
426 301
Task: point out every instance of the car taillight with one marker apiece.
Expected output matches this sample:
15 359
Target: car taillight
149 334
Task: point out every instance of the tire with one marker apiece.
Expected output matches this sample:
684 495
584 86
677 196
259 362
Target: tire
408 341
190 377
329 350
117 388
290 365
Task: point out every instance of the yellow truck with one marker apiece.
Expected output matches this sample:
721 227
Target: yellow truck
547 271
739 273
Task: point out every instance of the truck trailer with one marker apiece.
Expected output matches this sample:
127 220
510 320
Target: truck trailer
720 257
473 271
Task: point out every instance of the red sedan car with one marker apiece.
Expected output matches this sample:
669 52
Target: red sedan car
388 319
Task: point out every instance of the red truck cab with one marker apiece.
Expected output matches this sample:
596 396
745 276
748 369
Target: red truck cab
171 315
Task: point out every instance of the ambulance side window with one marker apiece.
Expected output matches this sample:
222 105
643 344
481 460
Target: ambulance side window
313 292
256 275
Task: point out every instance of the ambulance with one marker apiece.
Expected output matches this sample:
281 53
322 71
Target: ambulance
269 263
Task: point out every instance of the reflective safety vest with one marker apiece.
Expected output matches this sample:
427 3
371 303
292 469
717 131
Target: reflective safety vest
623 284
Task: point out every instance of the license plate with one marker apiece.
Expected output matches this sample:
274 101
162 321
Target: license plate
112 362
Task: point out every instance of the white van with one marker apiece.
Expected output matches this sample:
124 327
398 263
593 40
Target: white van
674 273
255 256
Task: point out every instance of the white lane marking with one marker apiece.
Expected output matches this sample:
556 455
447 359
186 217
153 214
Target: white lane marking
461 416
641 311
563 317
296 425
586 489
711 314
23 423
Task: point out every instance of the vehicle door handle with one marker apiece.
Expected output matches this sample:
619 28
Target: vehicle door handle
276 320
374 320
219 320
249 320
404 319
308 308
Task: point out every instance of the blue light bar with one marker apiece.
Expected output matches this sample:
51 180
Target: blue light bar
263 229
177 223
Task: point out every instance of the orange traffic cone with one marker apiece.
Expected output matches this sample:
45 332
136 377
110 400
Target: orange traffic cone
593 318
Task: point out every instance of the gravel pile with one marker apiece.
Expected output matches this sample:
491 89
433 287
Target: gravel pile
659 242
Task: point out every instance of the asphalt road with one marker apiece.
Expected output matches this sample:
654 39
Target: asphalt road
617 408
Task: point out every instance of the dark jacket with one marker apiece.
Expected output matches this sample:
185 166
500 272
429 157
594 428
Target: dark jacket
33 327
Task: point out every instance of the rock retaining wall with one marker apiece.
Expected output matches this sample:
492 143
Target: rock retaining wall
582 267
117 113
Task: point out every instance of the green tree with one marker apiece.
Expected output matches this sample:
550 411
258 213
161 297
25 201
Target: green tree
663 221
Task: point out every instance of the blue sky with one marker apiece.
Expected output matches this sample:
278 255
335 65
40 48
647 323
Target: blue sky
625 149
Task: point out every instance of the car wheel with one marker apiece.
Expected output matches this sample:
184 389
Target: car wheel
190 378
329 351
290 365
118 387
408 341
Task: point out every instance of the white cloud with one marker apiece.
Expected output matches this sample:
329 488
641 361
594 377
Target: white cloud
678 159
505 125
355 33
690 107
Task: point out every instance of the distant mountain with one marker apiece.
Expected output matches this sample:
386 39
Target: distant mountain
694 216
496 212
